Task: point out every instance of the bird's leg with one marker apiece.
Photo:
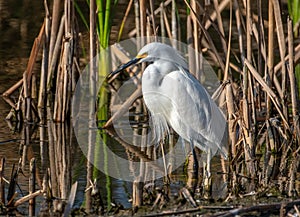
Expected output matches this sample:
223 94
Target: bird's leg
207 174
195 163
192 170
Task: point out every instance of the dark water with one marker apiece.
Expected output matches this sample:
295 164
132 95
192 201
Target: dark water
19 24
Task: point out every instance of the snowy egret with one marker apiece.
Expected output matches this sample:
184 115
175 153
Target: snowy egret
176 98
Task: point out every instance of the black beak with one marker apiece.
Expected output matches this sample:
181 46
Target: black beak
124 66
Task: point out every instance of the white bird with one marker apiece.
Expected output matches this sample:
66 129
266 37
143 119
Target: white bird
176 98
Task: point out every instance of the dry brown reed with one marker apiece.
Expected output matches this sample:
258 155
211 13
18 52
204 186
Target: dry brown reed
261 107
45 98
260 95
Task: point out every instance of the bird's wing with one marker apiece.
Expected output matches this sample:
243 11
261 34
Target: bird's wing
194 115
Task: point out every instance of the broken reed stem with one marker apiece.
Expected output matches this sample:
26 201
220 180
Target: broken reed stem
71 199
27 198
34 87
137 193
13 88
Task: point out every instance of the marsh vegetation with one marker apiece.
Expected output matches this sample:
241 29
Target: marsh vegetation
252 47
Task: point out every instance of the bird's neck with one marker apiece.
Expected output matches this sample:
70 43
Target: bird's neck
165 67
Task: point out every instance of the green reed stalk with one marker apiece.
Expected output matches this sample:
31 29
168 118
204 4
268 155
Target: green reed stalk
103 27
294 11
104 24
103 30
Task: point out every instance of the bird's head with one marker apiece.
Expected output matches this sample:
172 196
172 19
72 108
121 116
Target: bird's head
152 52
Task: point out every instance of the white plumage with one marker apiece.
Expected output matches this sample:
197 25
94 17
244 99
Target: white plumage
174 96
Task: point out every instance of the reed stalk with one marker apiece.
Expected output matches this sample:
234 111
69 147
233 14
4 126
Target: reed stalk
124 20
269 80
32 186
174 25
229 96
154 30
103 27
220 27
137 22
143 20
167 25
2 183
56 11
196 40
262 107
54 58
190 43
292 79
249 149
45 63
282 50
92 93
294 11
162 23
